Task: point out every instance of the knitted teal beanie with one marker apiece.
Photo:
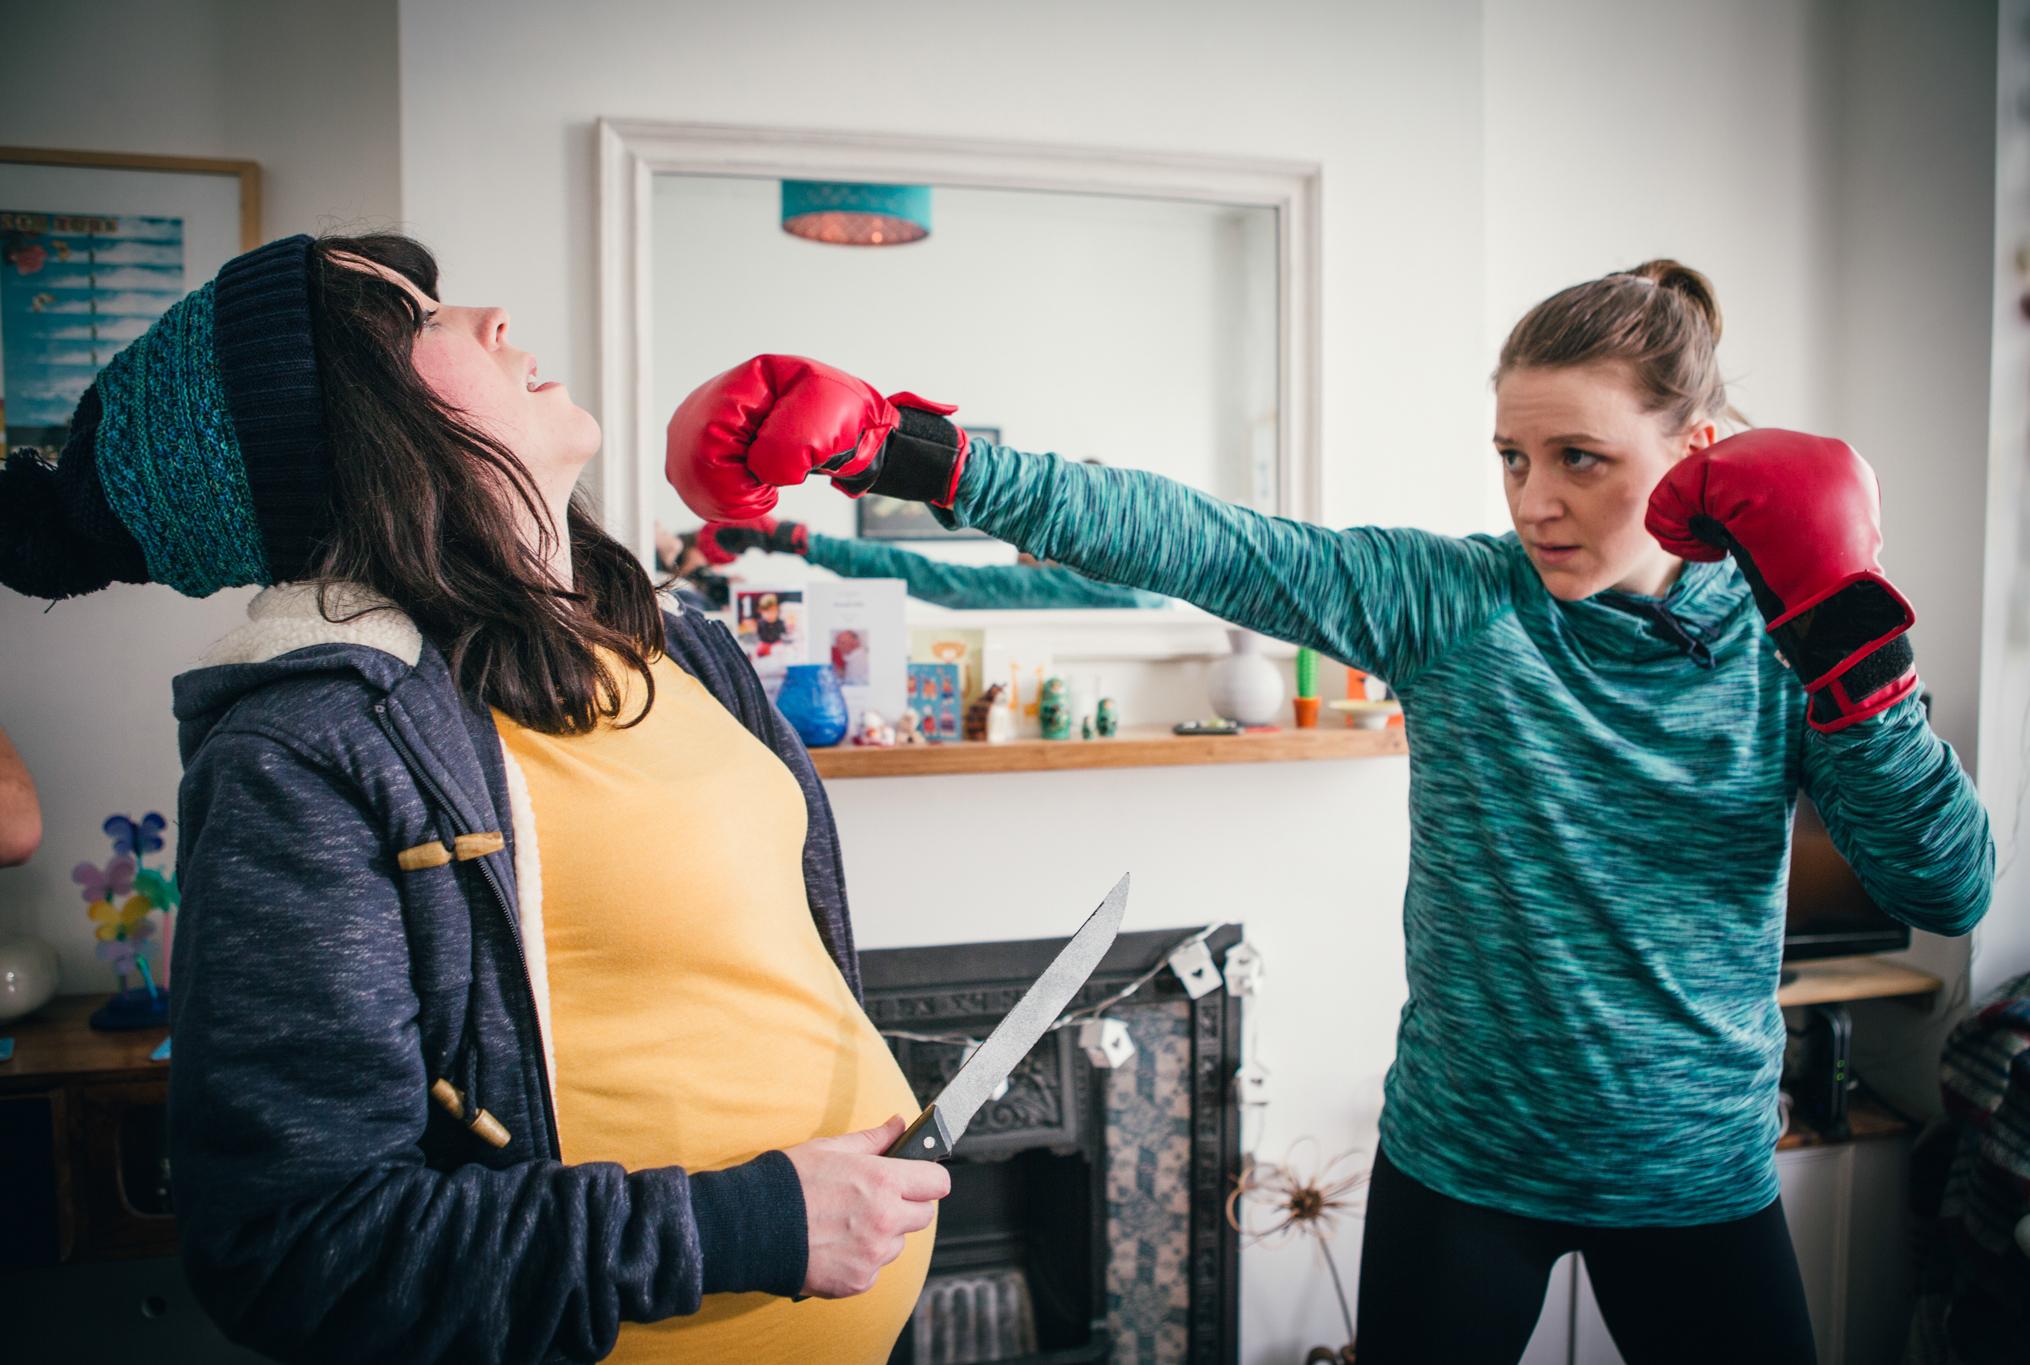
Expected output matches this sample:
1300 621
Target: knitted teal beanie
197 458
169 460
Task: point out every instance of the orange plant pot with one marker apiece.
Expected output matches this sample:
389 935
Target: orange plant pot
1306 709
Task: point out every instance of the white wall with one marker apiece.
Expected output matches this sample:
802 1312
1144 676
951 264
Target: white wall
310 93
1618 132
2002 946
1914 284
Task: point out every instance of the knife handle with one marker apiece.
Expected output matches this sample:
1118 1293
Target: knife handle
925 1140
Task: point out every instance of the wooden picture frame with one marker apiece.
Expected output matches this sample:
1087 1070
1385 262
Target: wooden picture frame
93 247
633 152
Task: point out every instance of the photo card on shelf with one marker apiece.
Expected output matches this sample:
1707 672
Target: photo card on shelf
935 697
859 626
770 625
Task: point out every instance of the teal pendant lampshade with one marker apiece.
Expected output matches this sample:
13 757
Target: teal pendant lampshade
855 215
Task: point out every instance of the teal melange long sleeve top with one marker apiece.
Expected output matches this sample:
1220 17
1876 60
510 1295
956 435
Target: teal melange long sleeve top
1601 796
1004 587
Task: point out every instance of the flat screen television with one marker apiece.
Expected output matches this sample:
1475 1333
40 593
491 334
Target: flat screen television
1830 915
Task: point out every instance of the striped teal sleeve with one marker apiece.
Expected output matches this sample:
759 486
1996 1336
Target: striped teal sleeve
1388 601
1004 587
1904 815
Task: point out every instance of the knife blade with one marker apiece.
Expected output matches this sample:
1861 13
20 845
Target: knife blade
940 1126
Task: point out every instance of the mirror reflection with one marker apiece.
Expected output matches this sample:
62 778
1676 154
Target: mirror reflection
1134 331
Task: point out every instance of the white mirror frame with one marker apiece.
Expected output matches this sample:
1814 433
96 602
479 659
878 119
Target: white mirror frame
632 152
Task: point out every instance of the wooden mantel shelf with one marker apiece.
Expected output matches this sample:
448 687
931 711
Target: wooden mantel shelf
1129 749
1837 979
1866 1118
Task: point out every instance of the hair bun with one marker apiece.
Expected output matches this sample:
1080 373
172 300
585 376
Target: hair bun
1685 282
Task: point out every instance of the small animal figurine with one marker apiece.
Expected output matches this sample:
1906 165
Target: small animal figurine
1001 726
875 733
976 714
909 730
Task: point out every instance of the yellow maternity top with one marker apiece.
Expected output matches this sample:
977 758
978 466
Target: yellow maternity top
695 1018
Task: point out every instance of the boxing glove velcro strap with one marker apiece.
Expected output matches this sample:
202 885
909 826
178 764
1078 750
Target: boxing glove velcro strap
1870 687
918 463
1820 640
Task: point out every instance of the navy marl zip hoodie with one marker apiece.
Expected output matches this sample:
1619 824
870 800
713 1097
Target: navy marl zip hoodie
327 1208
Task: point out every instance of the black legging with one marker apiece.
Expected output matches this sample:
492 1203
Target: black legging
1448 1283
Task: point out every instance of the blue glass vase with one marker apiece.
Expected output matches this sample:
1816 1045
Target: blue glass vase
813 704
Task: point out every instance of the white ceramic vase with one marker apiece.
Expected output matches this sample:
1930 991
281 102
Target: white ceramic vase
1244 686
27 975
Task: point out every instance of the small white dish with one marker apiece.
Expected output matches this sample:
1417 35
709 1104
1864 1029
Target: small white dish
1366 715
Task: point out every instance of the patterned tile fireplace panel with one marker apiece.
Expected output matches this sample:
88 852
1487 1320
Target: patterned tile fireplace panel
1087 1219
1148 1155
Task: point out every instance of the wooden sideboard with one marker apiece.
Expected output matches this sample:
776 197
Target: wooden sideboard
84 1158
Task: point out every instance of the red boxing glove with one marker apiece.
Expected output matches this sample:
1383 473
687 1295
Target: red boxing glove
771 421
722 542
1800 515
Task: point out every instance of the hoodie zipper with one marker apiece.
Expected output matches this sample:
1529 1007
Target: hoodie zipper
500 899
1664 626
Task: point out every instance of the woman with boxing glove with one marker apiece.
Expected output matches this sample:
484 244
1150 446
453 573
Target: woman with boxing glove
1028 584
516 1008
1611 711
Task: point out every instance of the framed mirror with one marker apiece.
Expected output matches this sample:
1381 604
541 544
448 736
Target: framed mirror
1148 310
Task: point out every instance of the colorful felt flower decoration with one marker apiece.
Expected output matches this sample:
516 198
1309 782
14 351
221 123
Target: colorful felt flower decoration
120 954
128 921
139 839
160 890
116 878
122 930
122 895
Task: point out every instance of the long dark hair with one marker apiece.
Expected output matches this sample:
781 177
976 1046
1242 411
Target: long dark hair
423 510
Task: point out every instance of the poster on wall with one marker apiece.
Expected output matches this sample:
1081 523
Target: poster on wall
94 247
75 288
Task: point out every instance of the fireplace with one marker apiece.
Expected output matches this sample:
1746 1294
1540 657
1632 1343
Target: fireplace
1087 1215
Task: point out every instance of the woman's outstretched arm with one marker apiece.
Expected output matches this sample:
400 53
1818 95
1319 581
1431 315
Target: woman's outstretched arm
1001 587
1385 600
